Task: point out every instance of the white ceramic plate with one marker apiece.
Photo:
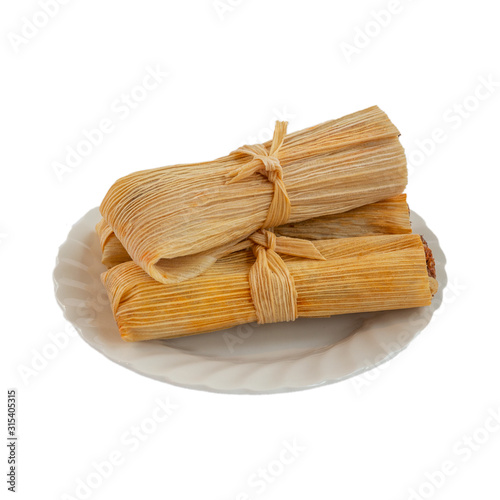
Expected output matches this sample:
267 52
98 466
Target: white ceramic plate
248 359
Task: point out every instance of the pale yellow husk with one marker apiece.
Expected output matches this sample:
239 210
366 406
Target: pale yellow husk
173 220
360 274
389 216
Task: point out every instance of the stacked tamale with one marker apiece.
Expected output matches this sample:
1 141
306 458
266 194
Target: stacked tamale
310 224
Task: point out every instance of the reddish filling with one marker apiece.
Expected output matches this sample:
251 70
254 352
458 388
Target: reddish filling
429 259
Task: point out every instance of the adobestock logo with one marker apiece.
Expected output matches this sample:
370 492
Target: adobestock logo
121 108
266 475
31 27
41 358
453 118
462 451
242 333
131 440
365 34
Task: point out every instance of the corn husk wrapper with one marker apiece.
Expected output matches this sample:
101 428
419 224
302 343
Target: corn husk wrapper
361 274
113 252
176 221
389 216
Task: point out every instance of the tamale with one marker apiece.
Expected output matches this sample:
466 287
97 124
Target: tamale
389 216
360 274
173 220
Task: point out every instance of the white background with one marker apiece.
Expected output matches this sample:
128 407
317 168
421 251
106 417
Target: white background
232 71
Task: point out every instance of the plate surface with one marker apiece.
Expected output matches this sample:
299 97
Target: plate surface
248 359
